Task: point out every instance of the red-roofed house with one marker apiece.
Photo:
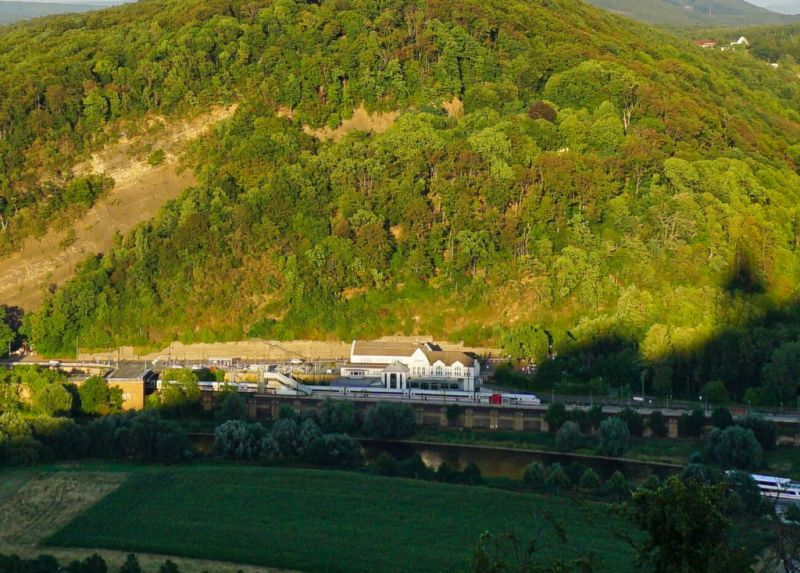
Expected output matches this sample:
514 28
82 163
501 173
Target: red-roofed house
706 43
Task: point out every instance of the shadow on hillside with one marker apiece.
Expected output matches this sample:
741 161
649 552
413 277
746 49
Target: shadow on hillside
735 354
743 277
12 316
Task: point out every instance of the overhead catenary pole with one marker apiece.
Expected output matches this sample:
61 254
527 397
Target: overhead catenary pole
642 378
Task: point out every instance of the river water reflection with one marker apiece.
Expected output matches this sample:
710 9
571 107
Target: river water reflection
510 463
493 462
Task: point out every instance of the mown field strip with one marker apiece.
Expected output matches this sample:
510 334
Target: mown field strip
41 503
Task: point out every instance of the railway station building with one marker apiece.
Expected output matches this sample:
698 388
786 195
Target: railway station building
405 365
133 380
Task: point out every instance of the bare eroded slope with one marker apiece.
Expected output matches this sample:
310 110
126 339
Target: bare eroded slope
139 191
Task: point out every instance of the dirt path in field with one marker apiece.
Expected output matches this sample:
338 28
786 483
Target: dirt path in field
34 505
140 190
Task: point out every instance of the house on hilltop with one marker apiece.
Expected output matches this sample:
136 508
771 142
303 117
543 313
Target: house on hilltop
741 43
706 44
405 365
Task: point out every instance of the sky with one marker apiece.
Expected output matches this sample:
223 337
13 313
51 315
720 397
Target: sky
789 6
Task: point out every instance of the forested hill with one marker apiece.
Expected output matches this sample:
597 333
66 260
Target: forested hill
632 195
694 13
780 44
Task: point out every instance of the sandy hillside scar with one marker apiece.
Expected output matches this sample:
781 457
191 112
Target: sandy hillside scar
362 120
140 190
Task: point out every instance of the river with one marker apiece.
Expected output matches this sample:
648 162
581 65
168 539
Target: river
508 462
492 461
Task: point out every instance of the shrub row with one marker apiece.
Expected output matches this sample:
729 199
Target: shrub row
92 564
612 438
144 437
690 425
556 478
385 420
591 419
287 441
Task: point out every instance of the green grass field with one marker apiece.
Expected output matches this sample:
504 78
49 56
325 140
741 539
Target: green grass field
325 521
783 461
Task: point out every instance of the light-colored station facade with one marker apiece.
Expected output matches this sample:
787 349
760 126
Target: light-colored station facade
406 365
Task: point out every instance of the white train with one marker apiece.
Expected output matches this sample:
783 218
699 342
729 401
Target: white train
448 396
783 489
511 399
393 394
219 386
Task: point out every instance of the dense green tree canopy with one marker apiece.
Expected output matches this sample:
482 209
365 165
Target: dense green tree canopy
97 398
52 399
734 447
612 437
649 216
781 375
686 529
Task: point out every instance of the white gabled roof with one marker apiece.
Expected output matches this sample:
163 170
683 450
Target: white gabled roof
396 368
431 351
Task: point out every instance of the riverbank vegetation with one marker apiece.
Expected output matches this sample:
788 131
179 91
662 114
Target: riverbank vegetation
747 443
44 416
664 450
